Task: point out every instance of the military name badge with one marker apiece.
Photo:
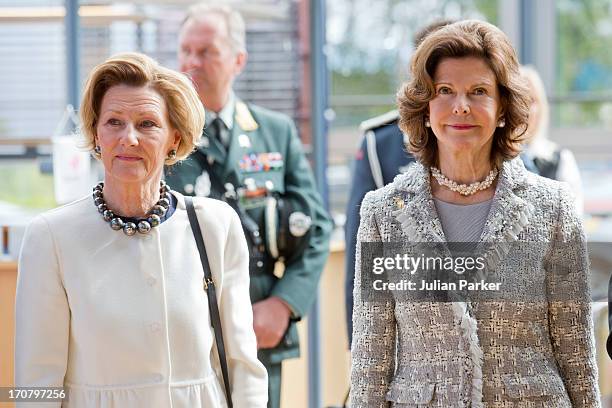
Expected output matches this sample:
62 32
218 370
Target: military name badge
253 163
202 185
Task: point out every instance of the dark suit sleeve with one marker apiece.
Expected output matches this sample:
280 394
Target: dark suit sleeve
298 286
361 182
609 343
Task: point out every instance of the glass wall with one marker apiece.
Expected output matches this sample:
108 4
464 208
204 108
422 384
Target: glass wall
583 85
582 99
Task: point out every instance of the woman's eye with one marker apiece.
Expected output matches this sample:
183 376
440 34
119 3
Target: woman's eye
114 122
480 91
444 90
148 124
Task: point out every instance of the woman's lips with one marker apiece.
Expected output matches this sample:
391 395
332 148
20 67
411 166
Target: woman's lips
462 126
128 158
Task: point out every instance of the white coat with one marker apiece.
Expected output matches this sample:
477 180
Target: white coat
124 321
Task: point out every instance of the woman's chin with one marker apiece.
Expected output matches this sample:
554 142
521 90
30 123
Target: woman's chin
127 176
462 147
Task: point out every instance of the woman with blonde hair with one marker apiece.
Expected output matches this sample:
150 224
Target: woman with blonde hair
111 301
530 342
551 160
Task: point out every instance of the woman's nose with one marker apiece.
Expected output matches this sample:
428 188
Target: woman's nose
461 106
130 136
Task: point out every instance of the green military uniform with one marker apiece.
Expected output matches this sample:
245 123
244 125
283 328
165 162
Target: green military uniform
264 167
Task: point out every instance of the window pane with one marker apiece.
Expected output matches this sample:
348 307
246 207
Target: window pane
584 63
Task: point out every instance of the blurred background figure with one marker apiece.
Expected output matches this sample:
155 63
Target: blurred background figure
550 159
609 342
381 156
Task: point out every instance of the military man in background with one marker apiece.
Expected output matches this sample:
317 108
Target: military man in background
252 158
382 139
609 342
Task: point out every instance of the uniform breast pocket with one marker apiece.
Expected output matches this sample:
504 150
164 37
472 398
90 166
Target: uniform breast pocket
263 170
272 180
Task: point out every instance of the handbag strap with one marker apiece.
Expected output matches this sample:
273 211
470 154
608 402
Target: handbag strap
209 286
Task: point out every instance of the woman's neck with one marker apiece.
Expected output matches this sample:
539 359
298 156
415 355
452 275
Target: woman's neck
465 168
131 200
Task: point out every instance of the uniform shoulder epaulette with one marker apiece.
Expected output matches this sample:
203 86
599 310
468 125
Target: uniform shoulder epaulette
379 121
244 118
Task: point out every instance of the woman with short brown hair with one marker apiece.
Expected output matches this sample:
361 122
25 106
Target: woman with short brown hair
527 343
457 41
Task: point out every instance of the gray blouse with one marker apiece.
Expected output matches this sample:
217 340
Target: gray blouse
462 223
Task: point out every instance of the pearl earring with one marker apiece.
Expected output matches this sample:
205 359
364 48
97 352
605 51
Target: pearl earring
427 122
501 123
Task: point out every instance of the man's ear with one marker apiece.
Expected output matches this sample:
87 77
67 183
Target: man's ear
241 60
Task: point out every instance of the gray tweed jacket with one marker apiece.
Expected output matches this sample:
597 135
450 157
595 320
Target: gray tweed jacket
537 352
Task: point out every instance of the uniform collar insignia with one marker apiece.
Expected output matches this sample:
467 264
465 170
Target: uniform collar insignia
244 118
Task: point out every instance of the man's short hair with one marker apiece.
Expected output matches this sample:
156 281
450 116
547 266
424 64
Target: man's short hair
233 21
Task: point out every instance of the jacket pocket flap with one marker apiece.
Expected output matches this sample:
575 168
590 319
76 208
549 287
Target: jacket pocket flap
540 385
404 391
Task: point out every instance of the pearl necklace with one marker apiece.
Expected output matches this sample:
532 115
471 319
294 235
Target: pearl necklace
464 189
142 225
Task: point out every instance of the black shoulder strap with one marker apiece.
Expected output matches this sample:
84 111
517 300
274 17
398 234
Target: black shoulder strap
209 286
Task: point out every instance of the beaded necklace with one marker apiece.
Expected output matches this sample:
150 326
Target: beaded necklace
464 189
142 225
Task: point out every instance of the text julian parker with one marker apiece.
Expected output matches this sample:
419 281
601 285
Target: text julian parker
462 284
